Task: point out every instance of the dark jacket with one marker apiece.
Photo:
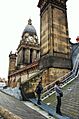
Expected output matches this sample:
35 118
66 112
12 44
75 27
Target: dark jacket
39 89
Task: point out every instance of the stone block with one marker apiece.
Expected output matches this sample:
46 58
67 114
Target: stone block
7 114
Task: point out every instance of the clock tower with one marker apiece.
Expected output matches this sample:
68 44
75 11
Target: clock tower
55 50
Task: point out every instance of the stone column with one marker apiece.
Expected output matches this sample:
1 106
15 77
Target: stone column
38 55
34 54
27 56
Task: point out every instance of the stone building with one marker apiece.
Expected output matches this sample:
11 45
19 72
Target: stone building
24 62
50 59
54 43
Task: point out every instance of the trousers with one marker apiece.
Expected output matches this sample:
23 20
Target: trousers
58 104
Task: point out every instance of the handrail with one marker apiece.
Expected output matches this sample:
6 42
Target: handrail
69 76
52 91
48 92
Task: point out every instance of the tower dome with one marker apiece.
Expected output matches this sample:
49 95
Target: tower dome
29 29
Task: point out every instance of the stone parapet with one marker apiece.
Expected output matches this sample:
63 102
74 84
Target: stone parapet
7 114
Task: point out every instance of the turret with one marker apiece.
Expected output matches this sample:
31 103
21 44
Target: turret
12 62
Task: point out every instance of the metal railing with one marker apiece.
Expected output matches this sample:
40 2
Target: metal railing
66 78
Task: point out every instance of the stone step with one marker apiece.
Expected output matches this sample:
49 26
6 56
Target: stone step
70 110
72 114
74 104
49 110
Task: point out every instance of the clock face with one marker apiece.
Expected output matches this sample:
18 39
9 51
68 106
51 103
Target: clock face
31 39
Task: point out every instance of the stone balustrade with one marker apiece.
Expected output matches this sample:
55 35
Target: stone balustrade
7 114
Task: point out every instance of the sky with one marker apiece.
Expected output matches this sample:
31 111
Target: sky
14 15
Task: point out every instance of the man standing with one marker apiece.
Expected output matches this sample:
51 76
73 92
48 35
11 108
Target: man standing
59 94
39 89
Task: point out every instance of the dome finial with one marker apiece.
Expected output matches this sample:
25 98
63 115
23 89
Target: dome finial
30 22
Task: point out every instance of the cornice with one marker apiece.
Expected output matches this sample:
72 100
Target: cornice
27 67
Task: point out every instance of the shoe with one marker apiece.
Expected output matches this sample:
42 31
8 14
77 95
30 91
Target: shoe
59 113
38 103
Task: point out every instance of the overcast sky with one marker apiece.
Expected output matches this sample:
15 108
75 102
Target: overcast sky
14 15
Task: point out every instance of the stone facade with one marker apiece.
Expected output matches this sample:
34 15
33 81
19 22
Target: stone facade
12 62
50 75
22 75
49 60
54 43
25 61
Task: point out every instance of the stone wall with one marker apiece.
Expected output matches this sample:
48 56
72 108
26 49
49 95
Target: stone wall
61 44
7 114
49 76
44 33
52 74
12 62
